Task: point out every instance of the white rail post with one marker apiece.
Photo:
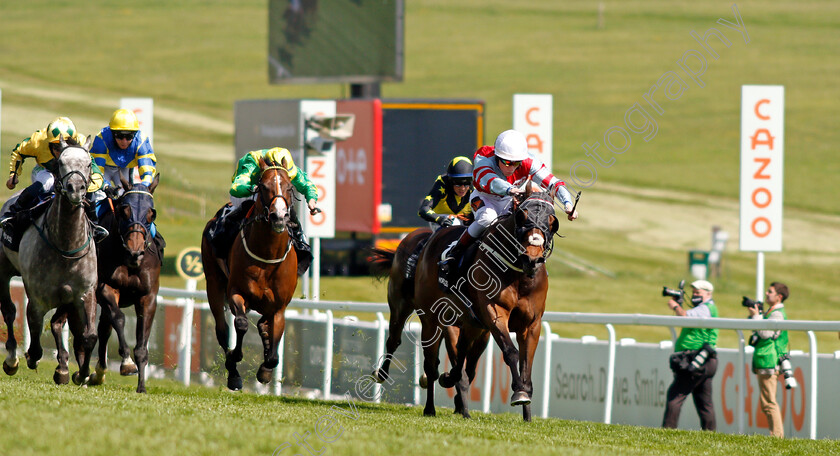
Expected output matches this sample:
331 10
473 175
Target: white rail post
487 388
185 352
610 374
27 336
316 268
417 369
546 387
812 345
380 354
741 373
328 355
278 371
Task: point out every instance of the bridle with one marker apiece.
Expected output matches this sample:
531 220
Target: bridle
278 193
128 227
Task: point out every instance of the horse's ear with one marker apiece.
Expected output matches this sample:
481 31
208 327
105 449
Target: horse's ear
527 189
88 143
155 183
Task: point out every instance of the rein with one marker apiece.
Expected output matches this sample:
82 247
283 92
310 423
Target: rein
258 258
64 253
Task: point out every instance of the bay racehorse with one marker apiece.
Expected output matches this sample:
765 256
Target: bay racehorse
396 265
57 261
129 275
501 289
262 266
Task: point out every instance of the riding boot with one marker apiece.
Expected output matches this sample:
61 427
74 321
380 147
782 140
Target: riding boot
17 215
99 232
450 257
304 252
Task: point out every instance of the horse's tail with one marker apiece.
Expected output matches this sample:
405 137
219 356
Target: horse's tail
380 261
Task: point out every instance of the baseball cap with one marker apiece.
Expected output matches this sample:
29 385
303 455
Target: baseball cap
703 285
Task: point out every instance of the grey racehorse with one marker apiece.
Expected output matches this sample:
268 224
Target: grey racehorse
57 261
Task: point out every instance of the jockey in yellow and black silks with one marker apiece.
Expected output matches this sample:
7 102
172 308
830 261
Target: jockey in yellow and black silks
450 194
44 146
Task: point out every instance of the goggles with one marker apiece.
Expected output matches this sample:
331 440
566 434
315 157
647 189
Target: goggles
124 135
509 162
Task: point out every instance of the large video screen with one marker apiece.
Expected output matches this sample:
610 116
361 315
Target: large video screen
353 41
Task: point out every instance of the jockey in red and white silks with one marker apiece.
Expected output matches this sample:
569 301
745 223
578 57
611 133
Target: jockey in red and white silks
498 173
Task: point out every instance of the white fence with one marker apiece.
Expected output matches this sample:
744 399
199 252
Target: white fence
578 398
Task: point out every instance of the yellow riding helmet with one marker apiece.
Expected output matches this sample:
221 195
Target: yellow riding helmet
60 127
124 120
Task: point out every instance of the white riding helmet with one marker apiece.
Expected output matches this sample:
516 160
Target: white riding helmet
511 145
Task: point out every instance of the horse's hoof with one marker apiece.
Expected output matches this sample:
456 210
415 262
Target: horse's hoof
141 389
98 377
128 368
423 381
31 362
61 377
520 398
10 369
264 374
379 375
78 380
428 412
234 383
446 380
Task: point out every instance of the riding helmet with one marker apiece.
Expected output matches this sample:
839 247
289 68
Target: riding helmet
124 120
511 145
460 171
60 127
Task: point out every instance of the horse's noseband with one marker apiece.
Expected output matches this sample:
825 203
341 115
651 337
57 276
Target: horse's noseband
538 209
60 183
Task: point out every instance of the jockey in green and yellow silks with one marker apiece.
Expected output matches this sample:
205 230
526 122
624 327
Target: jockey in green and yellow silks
243 188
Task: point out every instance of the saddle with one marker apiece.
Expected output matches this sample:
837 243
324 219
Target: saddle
226 224
21 222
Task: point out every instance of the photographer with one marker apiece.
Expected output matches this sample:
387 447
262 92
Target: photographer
694 361
770 346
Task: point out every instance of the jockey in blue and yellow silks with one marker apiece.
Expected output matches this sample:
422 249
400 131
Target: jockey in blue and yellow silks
121 146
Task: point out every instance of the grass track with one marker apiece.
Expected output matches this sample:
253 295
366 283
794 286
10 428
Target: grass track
42 418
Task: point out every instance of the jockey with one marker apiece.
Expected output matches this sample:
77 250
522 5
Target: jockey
121 146
44 146
499 171
449 195
243 188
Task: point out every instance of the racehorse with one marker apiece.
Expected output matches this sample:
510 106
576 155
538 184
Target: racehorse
57 261
501 290
129 274
401 290
263 273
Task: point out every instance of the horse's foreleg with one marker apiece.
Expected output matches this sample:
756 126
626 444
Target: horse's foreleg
35 320
501 334
104 333
9 311
271 339
431 338
62 373
83 327
456 349
145 310
400 311
474 353
528 341
112 300
240 324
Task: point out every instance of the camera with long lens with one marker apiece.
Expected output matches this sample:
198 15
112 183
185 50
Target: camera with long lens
787 371
747 302
677 295
701 357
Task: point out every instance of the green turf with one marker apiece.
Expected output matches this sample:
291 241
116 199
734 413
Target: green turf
196 58
172 419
